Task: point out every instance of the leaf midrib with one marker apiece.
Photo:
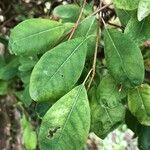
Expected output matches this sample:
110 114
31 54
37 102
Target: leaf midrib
70 112
124 70
90 27
66 59
35 34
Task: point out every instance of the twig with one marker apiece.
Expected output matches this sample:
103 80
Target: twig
100 9
87 76
78 20
103 21
94 60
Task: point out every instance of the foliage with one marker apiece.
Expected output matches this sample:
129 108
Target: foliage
83 74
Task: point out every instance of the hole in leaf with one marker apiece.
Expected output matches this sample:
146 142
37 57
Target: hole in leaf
52 132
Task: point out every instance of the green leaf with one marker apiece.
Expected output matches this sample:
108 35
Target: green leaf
88 27
66 124
139 103
143 9
9 70
126 4
34 36
27 63
3 87
24 96
58 70
4 41
124 15
143 139
69 13
42 108
109 93
107 111
125 63
132 123
138 31
29 136
25 76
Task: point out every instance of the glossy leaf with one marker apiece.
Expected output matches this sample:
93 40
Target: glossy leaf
66 124
126 4
34 36
143 9
138 31
88 27
58 70
125 63
139 103
107 111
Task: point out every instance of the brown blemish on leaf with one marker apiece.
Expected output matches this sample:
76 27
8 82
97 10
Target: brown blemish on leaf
52 132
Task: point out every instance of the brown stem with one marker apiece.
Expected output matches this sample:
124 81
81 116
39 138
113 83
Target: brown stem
78 20
94 60
100 9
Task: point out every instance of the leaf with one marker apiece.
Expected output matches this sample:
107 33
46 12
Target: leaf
88 27
69 13
4 41
138 31
106 112
66 124
125 63
9 70
124 15
126 4
143 139
108 92
25 76
143 9
27 63
58 70
132 123
24 96
3 87
29 136
139 103
42 108
34 36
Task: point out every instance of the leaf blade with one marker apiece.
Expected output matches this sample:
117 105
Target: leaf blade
55 79
71 120
38 40
138 103
143 9
126 70
126 4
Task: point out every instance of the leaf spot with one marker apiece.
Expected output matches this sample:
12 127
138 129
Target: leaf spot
52 132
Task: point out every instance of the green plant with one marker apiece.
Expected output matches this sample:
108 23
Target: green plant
76 88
